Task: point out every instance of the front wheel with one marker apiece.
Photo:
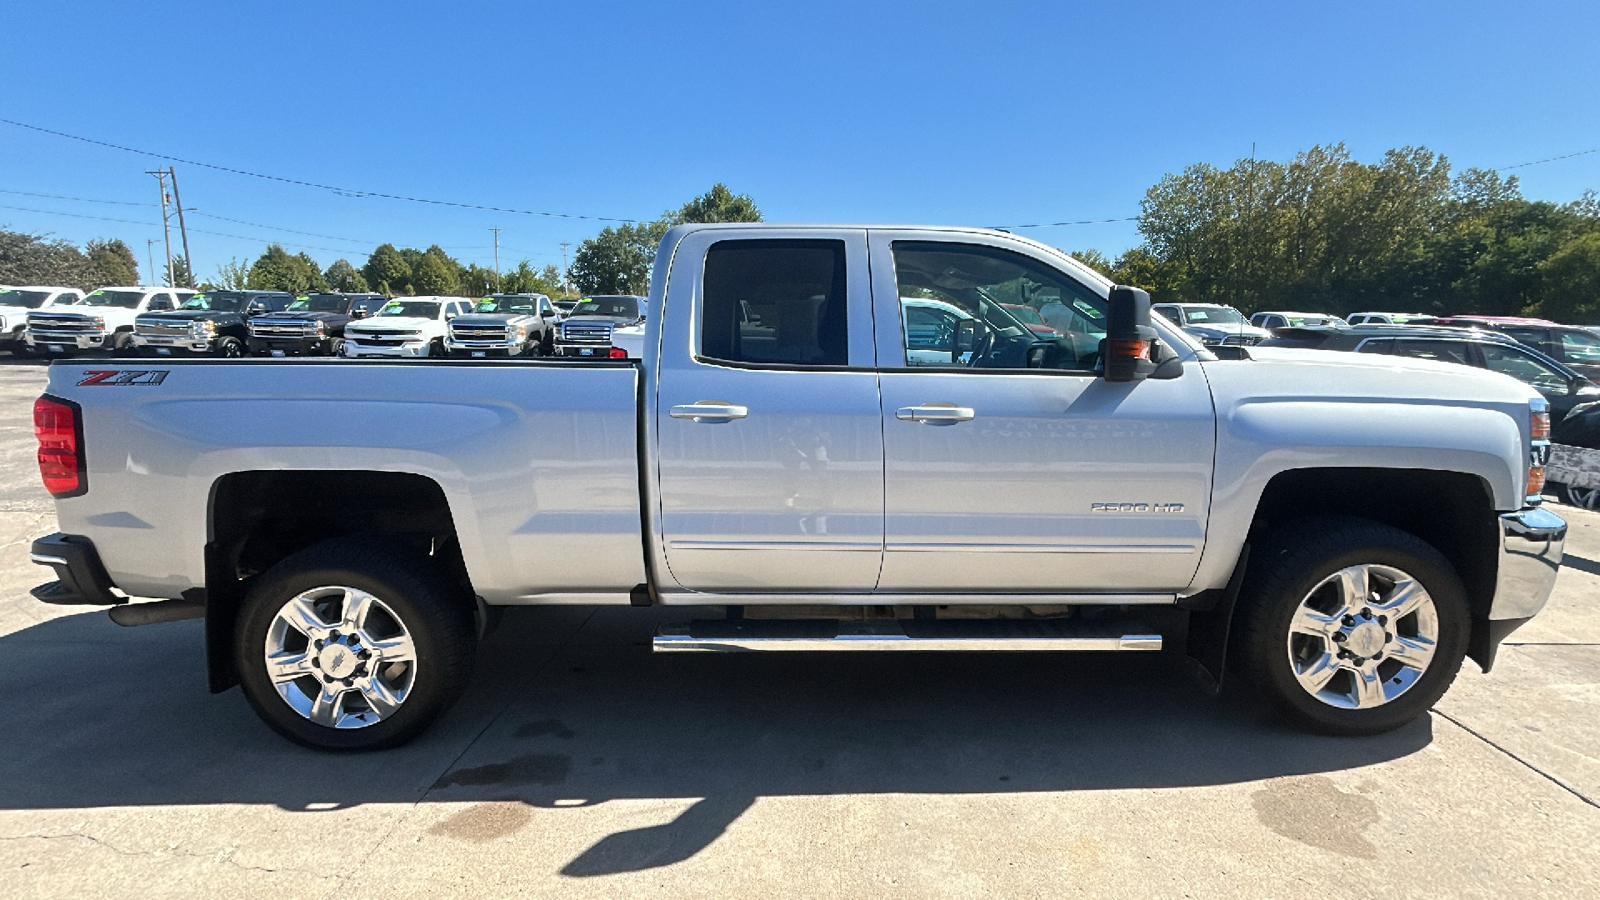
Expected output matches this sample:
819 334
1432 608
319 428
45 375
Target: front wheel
1349 627
354 644
230 348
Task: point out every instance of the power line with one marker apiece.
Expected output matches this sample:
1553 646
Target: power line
341 191
331 237
241 237
1539 162
78 199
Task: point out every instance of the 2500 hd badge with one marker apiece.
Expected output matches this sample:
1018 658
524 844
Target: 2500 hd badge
1137 507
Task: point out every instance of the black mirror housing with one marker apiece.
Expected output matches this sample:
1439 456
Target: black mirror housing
1127 349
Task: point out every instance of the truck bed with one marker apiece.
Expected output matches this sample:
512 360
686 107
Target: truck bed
538 460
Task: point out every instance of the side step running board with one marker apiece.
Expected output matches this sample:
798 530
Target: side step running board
730 636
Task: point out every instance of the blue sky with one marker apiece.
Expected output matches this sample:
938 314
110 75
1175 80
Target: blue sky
990 113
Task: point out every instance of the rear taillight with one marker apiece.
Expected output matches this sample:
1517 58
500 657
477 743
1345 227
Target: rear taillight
58 424
618 353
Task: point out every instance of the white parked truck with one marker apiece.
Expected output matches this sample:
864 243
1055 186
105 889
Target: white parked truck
404 327
101 321
17 303
787 470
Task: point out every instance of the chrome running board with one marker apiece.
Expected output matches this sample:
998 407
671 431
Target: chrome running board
732 636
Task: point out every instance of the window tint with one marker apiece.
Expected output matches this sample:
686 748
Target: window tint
1444 351
1024 314
1379 345
775 301
1521 365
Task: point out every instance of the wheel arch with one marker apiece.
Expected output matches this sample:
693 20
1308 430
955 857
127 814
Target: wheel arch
256 518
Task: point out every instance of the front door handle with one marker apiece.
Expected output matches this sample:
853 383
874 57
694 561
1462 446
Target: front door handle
935 413
709 411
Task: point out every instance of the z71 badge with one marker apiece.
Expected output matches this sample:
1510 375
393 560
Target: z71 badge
123 377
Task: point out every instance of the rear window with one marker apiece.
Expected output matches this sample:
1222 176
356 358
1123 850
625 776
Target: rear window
775 301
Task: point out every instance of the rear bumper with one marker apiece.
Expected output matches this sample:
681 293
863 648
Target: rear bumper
81 579
1531 544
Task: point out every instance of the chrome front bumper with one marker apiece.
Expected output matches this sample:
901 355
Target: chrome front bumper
1531 544
82 340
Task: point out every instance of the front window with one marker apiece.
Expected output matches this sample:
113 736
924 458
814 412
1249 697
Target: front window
505 304
1525 367
215 302
123 299
412 309
317 305
28 299
617 307
970 306
1212 315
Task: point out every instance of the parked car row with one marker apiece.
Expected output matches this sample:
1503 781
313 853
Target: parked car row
159 321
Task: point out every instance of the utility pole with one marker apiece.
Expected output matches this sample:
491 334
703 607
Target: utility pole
188 261
496 257
150 255
166 227
564 287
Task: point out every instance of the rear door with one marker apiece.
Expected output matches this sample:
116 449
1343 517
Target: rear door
770 443
1011 469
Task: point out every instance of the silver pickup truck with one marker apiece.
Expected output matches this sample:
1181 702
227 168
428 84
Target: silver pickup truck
801 466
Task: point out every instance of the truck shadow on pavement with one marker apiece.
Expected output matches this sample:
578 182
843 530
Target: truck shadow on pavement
570 709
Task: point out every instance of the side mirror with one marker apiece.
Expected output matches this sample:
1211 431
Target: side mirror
547 314
1129 336
965 340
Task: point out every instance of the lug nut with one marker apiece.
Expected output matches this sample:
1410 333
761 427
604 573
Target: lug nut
1383 620
319 643
1344 654
349 682
1366 614
333 635
1377 657
316 663
1349 620
1339 637
1387 637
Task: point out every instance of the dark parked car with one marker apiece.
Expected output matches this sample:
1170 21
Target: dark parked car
1578 348
1563 387
312 326
208 324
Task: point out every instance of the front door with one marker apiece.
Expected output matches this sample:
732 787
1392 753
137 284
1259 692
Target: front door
767 417
1011 467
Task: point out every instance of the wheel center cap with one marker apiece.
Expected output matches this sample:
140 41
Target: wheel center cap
340 661
1366 639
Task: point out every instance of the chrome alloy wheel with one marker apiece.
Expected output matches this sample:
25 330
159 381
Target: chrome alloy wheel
1363 636
340 657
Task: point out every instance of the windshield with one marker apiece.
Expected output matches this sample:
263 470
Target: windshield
215 302
26 299
621 307
1523 366
1298 321
317 304
1026 314
124 299
1212 315
417 309
506 305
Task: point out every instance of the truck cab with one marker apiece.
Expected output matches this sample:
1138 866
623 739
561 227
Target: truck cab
102 321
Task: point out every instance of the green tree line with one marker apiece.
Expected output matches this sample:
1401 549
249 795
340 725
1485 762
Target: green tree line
1324 232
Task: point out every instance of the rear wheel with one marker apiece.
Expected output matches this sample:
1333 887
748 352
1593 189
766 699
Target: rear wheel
1350 627
354 644
1587 498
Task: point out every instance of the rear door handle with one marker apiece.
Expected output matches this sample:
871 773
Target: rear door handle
935 413
709 411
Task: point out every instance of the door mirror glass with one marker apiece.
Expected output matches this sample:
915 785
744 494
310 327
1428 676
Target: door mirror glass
965 340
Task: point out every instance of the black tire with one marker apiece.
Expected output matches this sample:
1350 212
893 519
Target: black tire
436 348
122 344
1583 498
1284 571
547 344
438 616
229 348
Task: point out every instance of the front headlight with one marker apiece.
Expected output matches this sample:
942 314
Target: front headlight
100 322
522 332
202 329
